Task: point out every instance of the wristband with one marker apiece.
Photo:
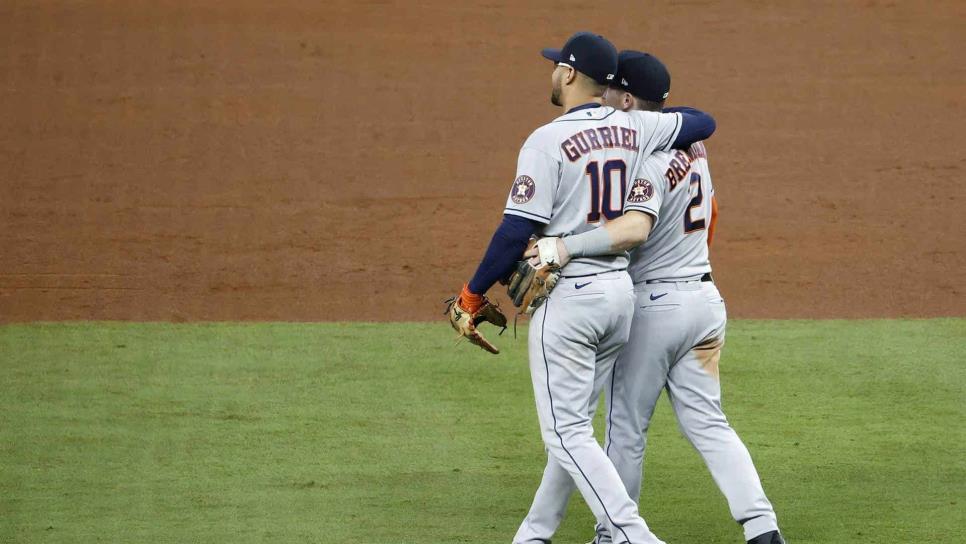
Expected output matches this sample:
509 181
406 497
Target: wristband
470 301
589 244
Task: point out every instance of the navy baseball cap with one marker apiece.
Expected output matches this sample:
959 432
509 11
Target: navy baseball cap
642 75
588 53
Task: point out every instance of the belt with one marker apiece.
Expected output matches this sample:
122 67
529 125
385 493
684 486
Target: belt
596 273
706 277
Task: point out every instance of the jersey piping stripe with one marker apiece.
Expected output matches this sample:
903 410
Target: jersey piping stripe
546 365
524 212
648 211
587 106
675 132
610 412
654 133
584 119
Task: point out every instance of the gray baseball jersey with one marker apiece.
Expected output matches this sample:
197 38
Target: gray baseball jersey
572 176
674 187
676 338
572 172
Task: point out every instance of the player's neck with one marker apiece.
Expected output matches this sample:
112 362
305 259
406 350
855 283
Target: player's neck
579 99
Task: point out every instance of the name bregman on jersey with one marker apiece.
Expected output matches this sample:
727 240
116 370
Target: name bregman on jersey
599 138
680 165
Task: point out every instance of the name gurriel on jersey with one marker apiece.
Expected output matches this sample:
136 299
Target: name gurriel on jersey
599 138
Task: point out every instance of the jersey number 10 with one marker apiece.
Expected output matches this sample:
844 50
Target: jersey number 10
601 198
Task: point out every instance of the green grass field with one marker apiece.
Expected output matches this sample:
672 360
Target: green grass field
366 433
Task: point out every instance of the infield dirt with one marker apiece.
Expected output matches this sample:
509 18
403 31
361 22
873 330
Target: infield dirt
349 160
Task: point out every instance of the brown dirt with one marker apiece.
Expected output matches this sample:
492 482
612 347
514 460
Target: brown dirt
348 161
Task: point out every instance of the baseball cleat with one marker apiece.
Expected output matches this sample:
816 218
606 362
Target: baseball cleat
771 537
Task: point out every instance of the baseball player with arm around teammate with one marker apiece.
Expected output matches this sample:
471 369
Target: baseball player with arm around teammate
678 328
571 175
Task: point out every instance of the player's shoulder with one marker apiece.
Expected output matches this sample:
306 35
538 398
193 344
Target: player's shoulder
659 160
542 134
652 118
653 167
545 138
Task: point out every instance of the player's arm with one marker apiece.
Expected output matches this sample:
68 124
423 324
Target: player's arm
622 234
675 128
625 233
467 310
642 208
470 308
528 208
506 246
629 230
696 125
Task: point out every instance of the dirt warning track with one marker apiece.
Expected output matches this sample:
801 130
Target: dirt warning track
349 160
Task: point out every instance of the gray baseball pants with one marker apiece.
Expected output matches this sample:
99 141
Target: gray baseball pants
575 337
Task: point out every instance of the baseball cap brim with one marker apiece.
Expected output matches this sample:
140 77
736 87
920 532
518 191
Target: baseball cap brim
553 54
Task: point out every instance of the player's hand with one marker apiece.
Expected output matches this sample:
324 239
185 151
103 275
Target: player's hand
533 253
536 274
563 256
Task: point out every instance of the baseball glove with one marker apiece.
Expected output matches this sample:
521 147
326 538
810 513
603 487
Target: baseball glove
467 310
534 278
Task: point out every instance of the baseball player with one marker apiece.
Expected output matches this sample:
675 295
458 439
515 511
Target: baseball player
679 322
572 174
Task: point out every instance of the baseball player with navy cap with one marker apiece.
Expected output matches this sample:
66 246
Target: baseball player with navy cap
679 322
644 78
588 54
571 177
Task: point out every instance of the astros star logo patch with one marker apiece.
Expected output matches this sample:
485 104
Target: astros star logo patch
641 191
523 190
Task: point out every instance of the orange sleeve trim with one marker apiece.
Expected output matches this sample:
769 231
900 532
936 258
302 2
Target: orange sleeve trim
471 302
714 219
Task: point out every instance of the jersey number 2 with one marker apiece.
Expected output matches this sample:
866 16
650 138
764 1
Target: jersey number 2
602 202
690 225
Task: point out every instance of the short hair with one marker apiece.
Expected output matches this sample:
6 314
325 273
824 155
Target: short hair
594 88
648 105
640 103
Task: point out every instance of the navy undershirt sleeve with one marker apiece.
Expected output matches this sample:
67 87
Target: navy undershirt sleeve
695 126
506 247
